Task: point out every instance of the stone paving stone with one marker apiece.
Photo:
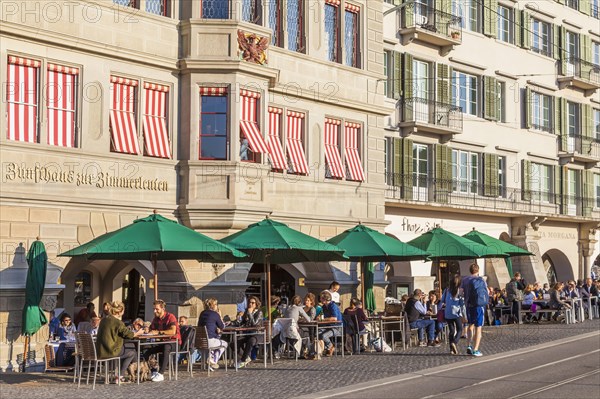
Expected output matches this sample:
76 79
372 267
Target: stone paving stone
287 378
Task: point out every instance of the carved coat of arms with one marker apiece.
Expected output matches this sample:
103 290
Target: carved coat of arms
253 48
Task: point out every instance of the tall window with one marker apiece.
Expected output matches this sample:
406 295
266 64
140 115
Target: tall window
333 160
126 3
296 139
541 34
158 7
61 98
351 36
123 115
465 171
506 25
574 4
352 150
420 171
595 9
252 11
541 182
22 97
502 177
332 29
574 119
465 92
596 127
388 72
573 189
597 189
596 53
156 133
572 41
541 112
276 156
275 22
215 9
295 25
470 13
214 134
82 289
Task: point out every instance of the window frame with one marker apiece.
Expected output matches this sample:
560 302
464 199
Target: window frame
502 176
573 119
226 98
37 104
352 58
457 99
223 13
468 184
284 133
597 189
543 192
596 52
537 108
546 48
301 34
596 119
333 53
510 33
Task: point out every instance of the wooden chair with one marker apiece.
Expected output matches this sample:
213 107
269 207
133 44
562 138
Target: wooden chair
202 345
50 361
185 349
85 342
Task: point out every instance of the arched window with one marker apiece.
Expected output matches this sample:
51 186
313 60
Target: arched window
550 270
82 289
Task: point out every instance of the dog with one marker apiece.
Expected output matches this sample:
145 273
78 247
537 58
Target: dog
145 369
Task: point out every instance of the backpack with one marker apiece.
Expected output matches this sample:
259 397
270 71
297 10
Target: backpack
453 305
478 293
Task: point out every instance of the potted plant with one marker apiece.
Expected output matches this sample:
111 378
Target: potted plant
455 34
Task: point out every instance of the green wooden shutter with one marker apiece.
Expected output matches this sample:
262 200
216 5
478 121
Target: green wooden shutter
407 76
443 83
585 6
586 48
518 27
490 105
445 6
409 13
490 175
526 31
560 187
397 75
563 50
587 123
528 108
490 17
556 122
564 127
526 179
397 160
588 192
407 169
556 49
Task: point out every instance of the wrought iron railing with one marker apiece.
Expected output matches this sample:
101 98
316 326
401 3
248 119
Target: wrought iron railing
421 15
581 144
417 109
582 69
458 193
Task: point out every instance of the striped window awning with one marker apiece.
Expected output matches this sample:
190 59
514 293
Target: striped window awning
332 151
274 143
61 97
248 121
156 135
213 91
22 99
295 146
353 163
122 115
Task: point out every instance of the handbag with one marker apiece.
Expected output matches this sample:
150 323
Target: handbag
441 313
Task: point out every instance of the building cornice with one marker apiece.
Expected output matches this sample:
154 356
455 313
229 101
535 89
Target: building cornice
468 63
571 23
542 85
507 149
506 75
535 8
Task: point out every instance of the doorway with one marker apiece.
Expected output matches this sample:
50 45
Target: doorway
134 296
283 283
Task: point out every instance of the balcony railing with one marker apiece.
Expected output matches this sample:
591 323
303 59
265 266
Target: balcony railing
584 146
481 196
421 110
420 15
582 69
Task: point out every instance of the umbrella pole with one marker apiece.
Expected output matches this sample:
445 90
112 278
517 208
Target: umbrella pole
268 307
25 351
154 263
362 282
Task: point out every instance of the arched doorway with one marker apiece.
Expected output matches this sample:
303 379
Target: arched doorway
134 295
283 283
557 266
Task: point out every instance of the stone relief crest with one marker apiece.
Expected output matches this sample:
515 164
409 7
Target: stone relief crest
48 302
252 48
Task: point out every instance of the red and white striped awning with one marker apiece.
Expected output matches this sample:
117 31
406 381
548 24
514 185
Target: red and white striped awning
332 151
22 99
61 98
156 135
274 143
353 163
122 115
352 8
295 146
333 2
213 91
248 121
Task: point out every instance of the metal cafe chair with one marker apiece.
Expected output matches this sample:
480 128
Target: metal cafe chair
88 354
202 345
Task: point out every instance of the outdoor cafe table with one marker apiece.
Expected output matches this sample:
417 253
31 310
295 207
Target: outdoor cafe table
152 340
323 324
380 322
239 332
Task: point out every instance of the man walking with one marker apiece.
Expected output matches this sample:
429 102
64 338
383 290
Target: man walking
476 297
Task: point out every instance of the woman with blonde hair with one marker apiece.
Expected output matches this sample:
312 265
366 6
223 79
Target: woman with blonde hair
211 319
528 298
111 333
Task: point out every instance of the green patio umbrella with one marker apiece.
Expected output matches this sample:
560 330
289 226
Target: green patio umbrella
156 238
369 298
33 316
269 241
363 244
444 245
499 245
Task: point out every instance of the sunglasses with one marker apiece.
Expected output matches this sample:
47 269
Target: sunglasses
252 302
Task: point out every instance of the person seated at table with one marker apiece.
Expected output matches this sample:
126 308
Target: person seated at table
105 310
332 313
185 329
164 323
241 306
253 317
295 312
538 291
497 304
432 308
528 298
91 327
66 330
334 288
589 290
275 301
85 314
111 333
355 311
555 300
138 324
309 306
211 319
570 291
55 316
416 310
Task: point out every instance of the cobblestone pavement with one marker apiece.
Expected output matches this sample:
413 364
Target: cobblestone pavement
287 378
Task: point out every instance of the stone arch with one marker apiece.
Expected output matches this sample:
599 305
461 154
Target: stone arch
560 263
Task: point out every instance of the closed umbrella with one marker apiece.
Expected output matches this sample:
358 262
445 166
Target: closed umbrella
369 300
498 245
363 244
156 238
269 241
33 316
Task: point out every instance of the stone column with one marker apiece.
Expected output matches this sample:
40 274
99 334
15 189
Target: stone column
586 244
525 234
